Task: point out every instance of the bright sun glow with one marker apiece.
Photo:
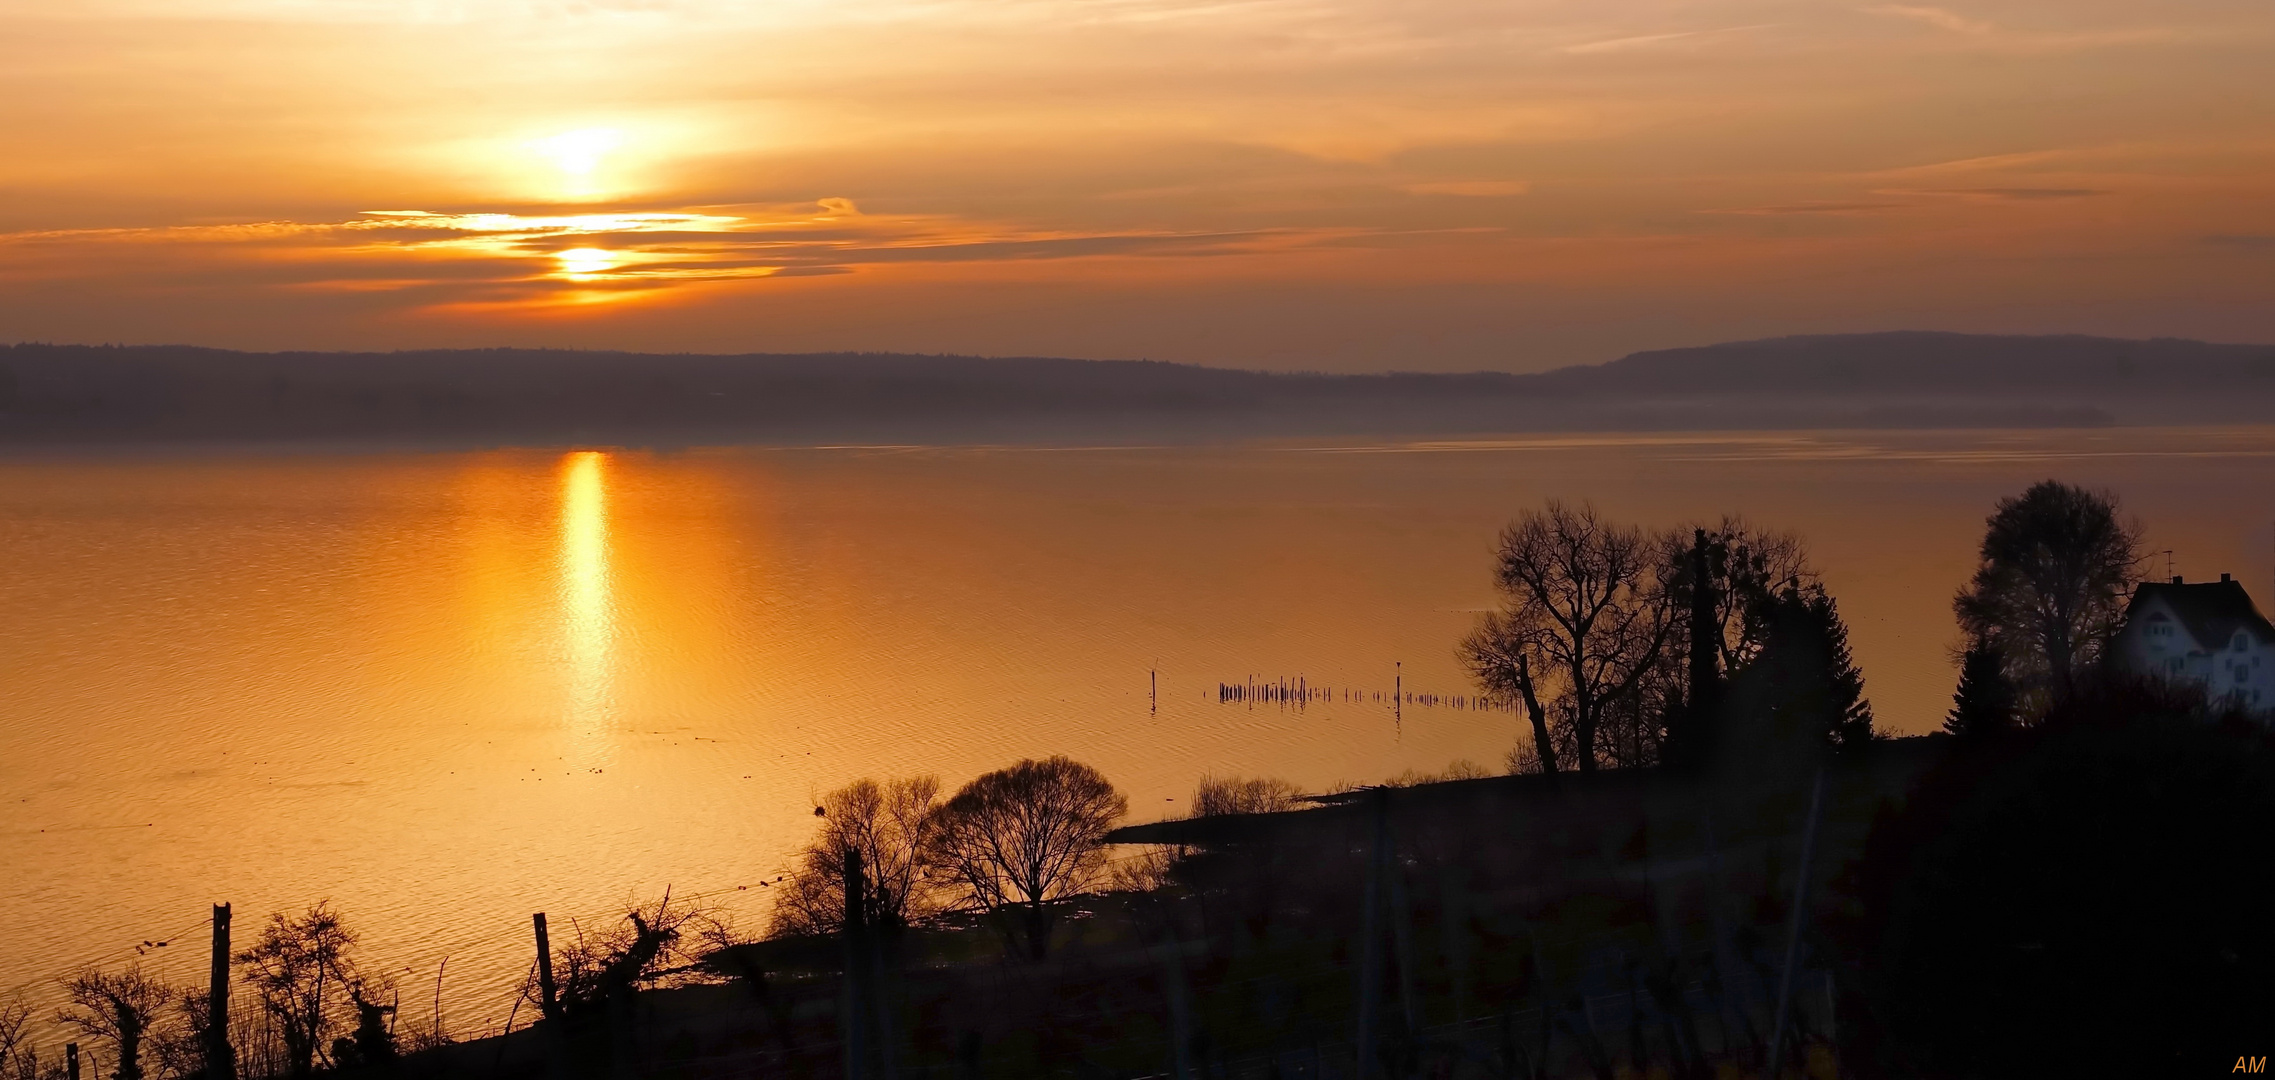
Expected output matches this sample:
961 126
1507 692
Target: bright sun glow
577 261
578 153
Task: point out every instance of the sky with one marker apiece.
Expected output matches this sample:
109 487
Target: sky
1283 184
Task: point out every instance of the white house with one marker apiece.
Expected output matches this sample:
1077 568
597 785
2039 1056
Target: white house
2209 634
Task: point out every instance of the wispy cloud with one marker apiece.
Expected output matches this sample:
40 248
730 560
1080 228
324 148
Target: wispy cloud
1473 189
1649 41
606 252
2010 194
1941 18
1807 208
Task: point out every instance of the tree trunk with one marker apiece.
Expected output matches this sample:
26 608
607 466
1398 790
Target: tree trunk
1540 740
1583 717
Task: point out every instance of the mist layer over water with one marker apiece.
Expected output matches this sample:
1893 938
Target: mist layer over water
447 690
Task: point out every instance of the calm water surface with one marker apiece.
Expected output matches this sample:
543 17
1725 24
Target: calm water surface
447 690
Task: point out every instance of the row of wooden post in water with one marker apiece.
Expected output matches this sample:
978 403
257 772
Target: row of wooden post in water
1299 693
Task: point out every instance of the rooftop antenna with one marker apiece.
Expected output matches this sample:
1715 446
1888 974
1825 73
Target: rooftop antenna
2168 564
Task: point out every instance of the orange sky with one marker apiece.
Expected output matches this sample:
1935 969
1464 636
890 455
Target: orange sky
1357 185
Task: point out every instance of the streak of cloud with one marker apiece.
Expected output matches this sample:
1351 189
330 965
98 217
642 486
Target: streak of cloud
1651 41
1941 18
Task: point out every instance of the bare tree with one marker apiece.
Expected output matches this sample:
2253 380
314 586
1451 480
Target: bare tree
889 824
15 1016
1233 795
179 1048
123 1009
2050 591
1499 655
1018 840
299 968
1583 621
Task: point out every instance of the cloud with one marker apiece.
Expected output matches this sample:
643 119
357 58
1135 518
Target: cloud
1647 41
2012 194
1475 189
490 256
1796 209
1942 18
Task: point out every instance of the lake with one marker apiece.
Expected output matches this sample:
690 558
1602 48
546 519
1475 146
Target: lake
446 690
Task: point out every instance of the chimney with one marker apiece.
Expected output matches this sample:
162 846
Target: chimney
2223 577
2176 579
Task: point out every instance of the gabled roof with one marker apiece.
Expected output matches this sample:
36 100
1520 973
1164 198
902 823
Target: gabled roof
2212 612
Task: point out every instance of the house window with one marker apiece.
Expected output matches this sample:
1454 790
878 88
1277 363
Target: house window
2176 662
2243 641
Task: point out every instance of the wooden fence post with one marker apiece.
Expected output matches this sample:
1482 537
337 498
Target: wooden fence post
549 1001
1402 948
220 1058
71 1060
1453 928
853 1018
1180 1013
1793 931
1370 947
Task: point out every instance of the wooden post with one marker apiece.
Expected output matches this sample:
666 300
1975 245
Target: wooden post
220 1058
549 999
71 1060
1402 946
1793 928
1180 1013
1453 928
1370 945
855 1007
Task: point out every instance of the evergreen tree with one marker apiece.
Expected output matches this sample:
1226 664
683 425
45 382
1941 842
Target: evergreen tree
1803 690
1985 702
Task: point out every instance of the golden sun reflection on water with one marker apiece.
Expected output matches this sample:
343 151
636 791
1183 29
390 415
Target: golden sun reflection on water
588 614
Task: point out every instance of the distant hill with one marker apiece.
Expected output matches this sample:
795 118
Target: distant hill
52 394
1914 362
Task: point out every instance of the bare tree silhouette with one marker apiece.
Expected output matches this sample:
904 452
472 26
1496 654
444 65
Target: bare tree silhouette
299 967
1017 840
1233 795
1583 620
122 1008
15 1016
890 825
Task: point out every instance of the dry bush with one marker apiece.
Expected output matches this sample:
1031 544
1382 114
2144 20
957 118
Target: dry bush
654 945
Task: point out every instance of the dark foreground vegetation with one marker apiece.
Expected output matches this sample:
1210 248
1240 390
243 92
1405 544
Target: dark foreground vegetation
1704 863
60 394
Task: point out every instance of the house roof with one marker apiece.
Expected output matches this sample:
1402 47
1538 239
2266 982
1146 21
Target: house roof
2212 611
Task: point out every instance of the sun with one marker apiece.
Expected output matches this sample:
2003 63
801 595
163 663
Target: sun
581 262
581 160
579 153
